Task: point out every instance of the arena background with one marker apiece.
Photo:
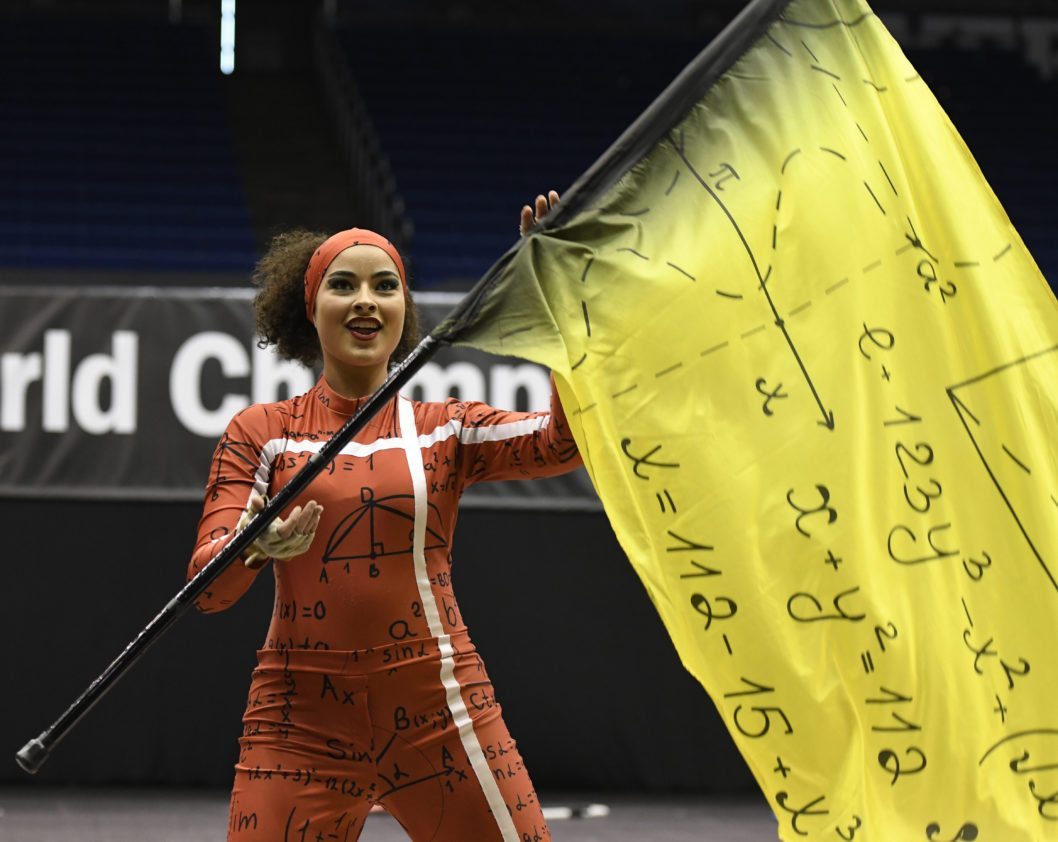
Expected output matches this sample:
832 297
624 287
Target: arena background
128 159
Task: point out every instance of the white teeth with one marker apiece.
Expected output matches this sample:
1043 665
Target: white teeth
364 330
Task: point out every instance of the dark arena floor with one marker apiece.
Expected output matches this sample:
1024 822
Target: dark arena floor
29 814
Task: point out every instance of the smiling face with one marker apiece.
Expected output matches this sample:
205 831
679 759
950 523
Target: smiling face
359 317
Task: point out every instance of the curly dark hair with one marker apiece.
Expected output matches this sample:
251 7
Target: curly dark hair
279 305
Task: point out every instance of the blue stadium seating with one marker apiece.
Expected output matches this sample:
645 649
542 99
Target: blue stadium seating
115 151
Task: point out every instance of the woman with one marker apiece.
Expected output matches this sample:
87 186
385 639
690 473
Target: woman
368 689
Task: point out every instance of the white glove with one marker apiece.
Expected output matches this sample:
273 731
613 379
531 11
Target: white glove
285 537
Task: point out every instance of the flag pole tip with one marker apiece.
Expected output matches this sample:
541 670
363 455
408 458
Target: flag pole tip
32 756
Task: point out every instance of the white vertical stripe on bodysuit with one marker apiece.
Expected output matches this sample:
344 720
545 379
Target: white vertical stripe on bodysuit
460 716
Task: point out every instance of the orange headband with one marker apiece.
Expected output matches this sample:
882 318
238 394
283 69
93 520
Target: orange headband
331 248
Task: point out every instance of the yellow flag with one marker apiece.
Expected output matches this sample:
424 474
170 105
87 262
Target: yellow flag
812 371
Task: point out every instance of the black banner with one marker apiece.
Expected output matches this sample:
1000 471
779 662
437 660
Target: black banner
122 392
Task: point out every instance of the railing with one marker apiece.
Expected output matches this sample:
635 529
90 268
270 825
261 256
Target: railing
369 168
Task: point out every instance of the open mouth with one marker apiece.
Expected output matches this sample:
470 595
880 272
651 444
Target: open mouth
364 328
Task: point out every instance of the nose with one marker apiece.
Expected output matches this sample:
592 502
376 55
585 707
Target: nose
364 301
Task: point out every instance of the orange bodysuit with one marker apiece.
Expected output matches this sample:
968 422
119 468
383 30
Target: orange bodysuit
368 689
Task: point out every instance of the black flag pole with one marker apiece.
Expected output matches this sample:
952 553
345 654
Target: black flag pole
34 753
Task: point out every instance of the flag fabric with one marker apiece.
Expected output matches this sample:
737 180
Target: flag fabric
811 368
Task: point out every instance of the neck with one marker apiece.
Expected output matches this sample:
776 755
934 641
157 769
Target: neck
352 382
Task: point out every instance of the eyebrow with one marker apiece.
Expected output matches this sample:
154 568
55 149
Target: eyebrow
345 273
